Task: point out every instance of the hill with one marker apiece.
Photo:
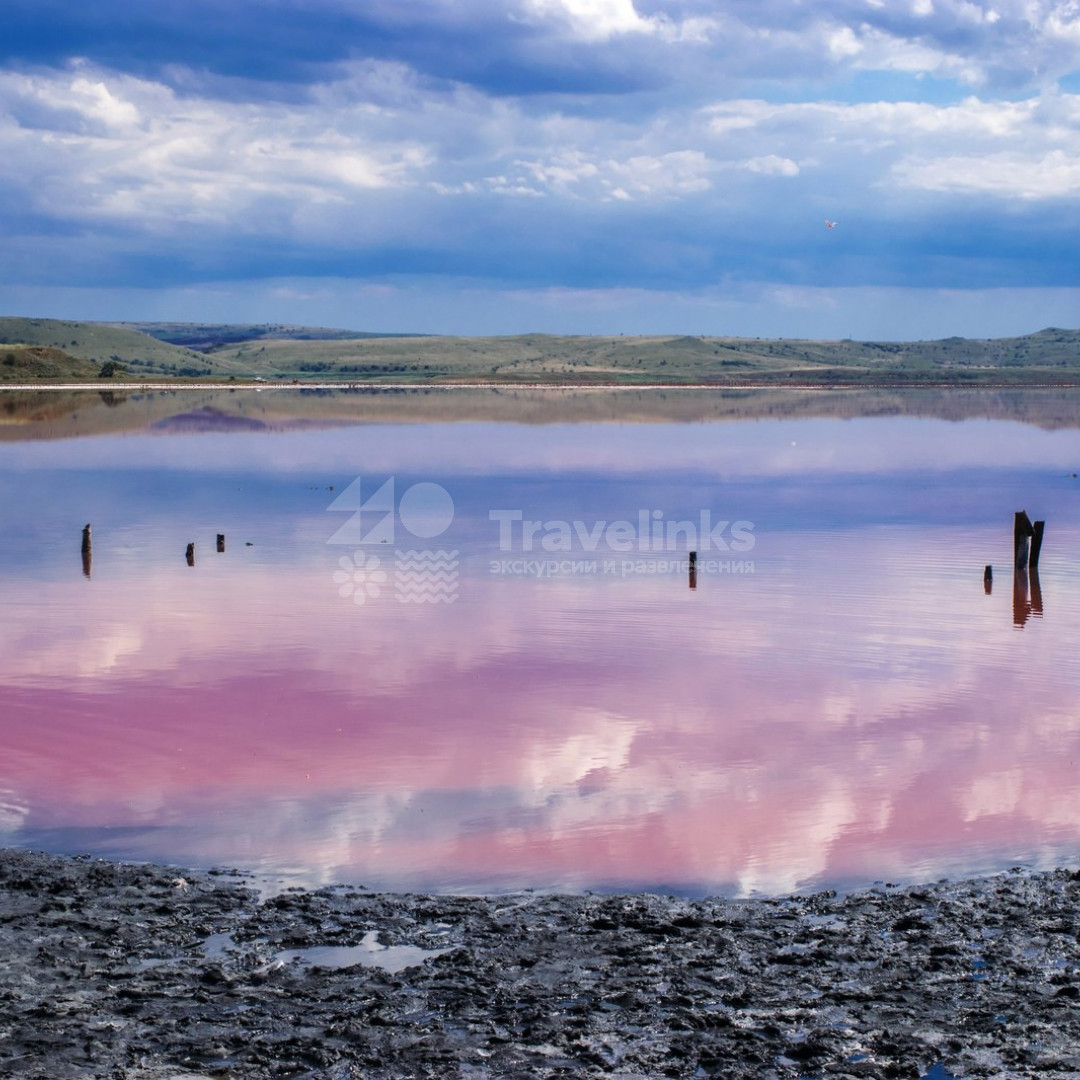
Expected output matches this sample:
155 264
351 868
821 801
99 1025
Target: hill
99 343
19 363
206 337
1050 357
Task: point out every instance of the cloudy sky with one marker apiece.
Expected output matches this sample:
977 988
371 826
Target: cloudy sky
502 166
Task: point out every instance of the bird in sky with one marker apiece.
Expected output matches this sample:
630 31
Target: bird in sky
830 224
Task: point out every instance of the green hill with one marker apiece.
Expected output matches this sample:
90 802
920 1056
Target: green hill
99 343
206 337
1049 357
22 363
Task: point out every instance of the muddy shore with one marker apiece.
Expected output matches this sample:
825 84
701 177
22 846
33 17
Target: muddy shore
149 973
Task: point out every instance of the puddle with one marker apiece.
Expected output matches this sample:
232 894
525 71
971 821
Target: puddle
369 952
392 958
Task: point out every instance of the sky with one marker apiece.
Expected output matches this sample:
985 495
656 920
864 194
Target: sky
565 166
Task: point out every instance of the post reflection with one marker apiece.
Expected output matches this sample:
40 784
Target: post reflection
1027 596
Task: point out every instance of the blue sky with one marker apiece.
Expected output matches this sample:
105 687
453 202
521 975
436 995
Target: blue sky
583 166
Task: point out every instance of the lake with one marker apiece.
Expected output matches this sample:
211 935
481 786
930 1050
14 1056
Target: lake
442 653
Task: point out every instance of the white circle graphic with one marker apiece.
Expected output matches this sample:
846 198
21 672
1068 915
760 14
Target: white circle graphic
426 510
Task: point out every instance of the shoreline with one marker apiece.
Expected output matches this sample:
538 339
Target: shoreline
142 972
904 384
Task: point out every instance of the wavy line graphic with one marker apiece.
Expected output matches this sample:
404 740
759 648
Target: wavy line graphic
426 577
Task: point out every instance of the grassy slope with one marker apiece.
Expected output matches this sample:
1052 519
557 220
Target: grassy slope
205 337
99 342
1050 356
19 363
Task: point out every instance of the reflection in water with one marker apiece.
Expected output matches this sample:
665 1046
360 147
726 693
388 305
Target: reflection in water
843 707
1027 547
1026 603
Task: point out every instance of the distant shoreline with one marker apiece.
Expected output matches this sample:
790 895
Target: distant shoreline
906 384
50 352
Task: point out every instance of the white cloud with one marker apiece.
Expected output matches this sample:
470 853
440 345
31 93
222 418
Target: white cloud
368 159
104 145
1028 149
680 172
772 165
1007 175
592 20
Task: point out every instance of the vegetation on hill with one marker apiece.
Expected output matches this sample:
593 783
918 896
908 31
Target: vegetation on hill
100 343
22 363
206 337
1049 357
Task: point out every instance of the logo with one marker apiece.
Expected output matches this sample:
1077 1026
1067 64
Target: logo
421 575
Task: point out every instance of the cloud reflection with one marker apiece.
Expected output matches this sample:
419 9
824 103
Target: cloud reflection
847 712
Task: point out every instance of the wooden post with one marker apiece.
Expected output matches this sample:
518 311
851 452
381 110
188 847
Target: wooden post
1022 530
87 552
221 541
190 554
988 580
693 569
1036 543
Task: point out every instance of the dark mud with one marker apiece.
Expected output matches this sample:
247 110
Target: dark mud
125 972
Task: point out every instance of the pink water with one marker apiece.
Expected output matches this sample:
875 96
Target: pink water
842 703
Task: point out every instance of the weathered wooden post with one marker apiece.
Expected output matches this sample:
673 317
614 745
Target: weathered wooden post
221 541
190 554
87 551
1036 591
988 580
1022 532
693 569
1036 543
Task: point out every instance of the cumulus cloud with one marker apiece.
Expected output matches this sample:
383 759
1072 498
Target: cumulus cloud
96 144
550 144
592 20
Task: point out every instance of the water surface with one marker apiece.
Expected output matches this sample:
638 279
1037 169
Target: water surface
837 700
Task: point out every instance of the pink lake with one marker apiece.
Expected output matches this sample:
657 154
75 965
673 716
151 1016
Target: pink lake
838 700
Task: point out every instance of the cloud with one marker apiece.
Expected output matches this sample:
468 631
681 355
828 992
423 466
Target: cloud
1008 175
593 20
543 144
98 145
527 46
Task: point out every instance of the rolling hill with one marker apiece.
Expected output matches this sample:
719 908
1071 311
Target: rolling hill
99 343
22 363
247 351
